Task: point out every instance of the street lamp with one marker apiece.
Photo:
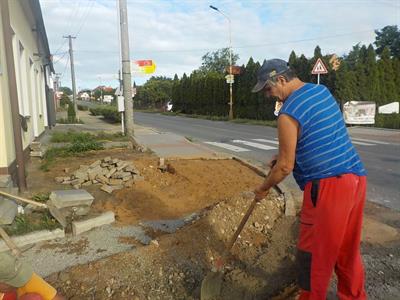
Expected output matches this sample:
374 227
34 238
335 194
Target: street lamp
230 62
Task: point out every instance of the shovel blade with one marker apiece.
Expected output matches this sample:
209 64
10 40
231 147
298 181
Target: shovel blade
211 286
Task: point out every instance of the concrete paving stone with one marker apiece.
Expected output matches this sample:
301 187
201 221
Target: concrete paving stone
111 172
104 165
126 178
107 188
77 181
66 182
83 168
35 146
92 173
77 186
95 164
8 211
107 159
5 181
121 166
79 227
81 174
68 198
113 181
102 179
36 154
115 160
33 238
87 183
121 175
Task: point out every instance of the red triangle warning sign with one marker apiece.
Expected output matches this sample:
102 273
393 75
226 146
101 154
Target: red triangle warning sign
319 67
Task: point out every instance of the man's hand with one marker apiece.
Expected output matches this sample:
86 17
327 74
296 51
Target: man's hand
260 193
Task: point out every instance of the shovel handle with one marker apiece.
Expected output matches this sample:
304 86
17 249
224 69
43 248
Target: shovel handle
14 249
23 199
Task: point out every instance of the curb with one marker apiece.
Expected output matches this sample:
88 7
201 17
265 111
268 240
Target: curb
33 238
281 188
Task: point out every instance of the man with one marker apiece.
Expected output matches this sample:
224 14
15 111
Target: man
19 282
314 144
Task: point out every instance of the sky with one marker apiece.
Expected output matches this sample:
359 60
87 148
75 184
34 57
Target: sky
175 34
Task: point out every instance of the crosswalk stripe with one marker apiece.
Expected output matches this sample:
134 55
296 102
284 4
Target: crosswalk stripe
363 144
371 141
266 141
228 146
255 145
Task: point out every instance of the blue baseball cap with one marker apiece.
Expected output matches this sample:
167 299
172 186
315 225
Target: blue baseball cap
269 69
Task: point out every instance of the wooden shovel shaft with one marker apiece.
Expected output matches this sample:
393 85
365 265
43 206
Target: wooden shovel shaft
14 249
240 227
23 199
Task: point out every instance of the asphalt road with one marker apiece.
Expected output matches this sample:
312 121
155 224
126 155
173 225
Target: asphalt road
379 149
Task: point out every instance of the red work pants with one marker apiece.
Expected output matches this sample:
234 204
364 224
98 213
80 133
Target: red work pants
330 232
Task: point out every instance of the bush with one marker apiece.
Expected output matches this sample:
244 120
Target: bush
391 121
110 113
71 112
71 136
83 107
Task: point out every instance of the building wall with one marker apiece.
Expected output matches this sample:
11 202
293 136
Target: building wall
30 85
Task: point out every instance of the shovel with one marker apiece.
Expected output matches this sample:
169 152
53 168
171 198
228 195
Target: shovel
212 283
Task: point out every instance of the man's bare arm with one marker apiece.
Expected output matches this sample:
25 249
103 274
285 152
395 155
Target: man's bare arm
287 133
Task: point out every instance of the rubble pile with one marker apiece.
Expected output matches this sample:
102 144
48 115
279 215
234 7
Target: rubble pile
111 173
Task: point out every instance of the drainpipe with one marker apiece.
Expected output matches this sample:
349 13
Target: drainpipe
12 86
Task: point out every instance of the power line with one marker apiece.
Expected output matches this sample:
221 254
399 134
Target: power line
85 14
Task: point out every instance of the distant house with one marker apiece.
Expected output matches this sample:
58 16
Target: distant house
26 89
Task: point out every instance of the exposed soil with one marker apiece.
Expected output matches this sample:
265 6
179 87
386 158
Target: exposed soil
174 264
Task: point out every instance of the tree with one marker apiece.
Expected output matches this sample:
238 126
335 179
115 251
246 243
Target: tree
65 90
388 36
217 61
155 93
388 78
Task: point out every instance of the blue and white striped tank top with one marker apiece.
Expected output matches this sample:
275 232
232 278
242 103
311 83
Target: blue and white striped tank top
324 148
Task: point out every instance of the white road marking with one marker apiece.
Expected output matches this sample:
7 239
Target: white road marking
266 141
255 145
363 144
371 141
228 146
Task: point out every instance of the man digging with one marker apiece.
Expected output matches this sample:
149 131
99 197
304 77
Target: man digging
315 146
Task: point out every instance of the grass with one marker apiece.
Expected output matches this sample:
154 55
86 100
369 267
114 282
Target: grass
28 223
41 197
189 138
69 121
71 136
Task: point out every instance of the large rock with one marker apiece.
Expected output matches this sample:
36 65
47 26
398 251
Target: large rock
69 198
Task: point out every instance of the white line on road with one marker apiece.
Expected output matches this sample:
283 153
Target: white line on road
371 141
255 145
266 141
228 146
363 144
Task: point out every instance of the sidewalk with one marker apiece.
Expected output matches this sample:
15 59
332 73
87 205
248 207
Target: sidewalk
163 144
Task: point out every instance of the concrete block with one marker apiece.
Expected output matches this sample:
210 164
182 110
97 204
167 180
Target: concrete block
121 175
87 183
8 211
131 169
68 198
107 159
77 181
77 186
81 174
66 182
121 166
83 168
35 146
111 172
115 160
95 164
104 165
126 178
79 227
92 173
106 188
113 181
36 154
33 238
129 183
5 181
102 179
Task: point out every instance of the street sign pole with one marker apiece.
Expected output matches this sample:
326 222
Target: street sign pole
318 79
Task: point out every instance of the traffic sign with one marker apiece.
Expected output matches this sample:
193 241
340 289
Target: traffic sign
319 67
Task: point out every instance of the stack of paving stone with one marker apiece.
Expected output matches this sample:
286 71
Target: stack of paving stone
111 174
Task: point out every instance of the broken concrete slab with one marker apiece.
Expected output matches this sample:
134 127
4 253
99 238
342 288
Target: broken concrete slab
5 181
8 211
79 227
68 198
33 238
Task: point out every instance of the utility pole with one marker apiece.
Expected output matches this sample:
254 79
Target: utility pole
71 59
126 70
